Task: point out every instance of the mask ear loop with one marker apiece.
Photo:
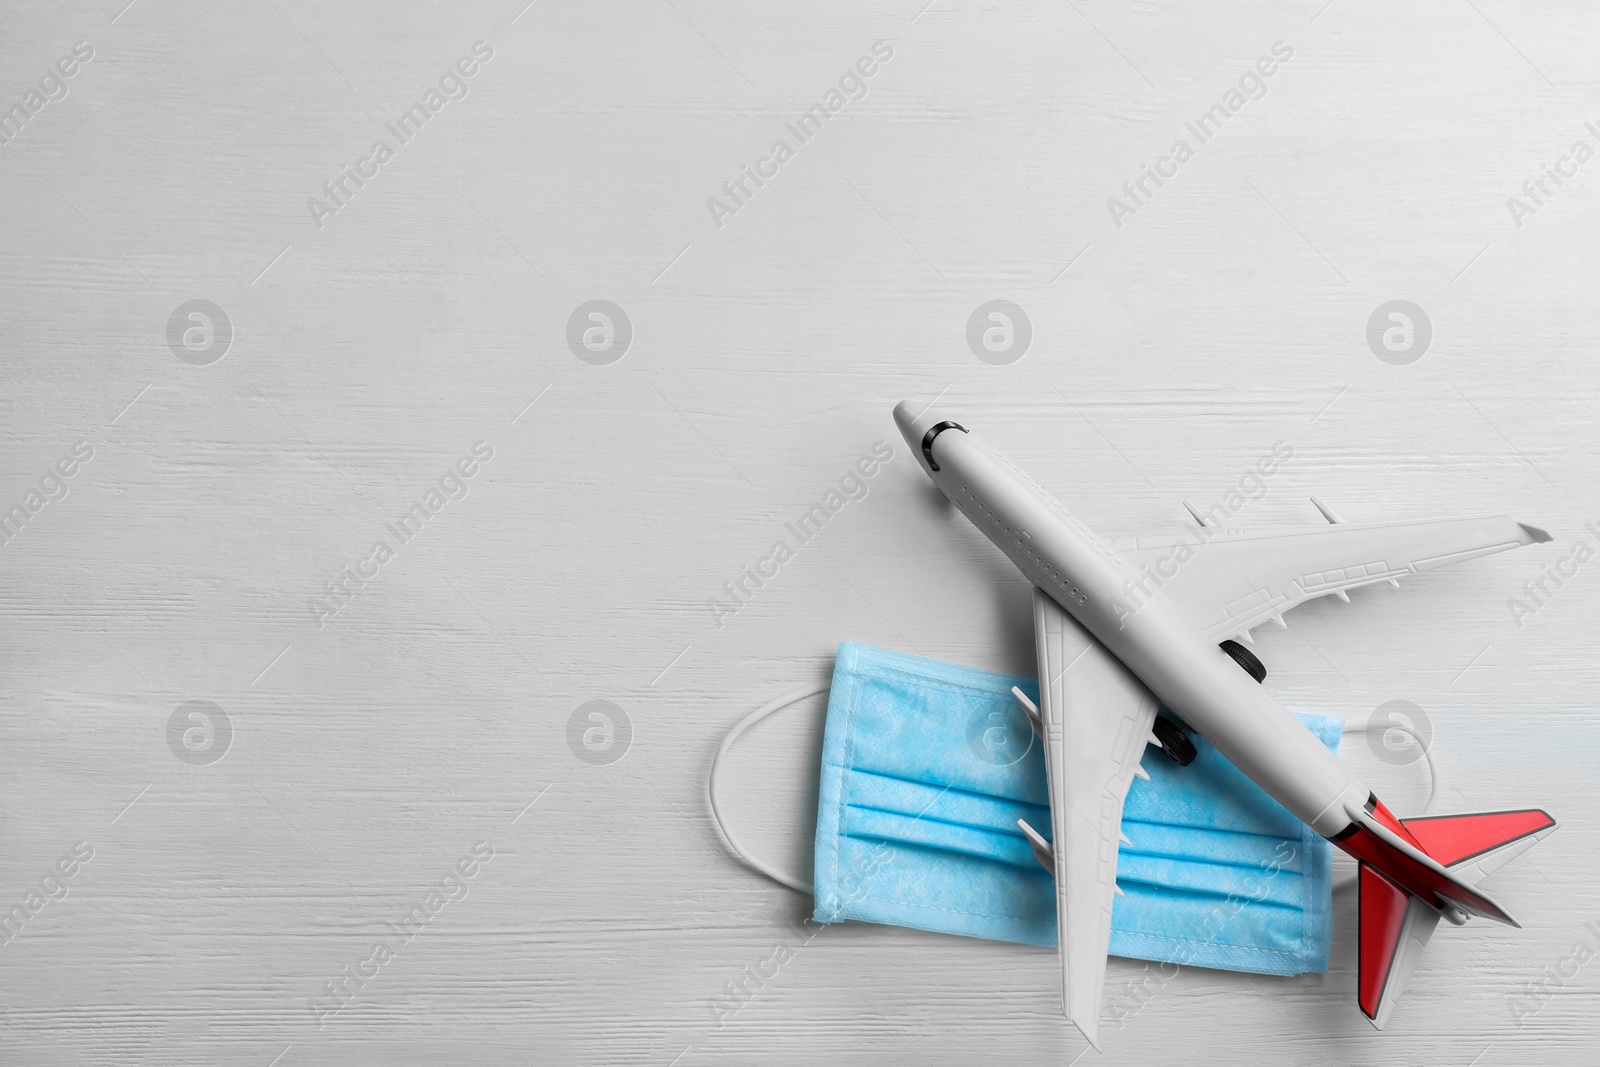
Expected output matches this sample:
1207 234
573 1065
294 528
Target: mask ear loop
1433 776
744 724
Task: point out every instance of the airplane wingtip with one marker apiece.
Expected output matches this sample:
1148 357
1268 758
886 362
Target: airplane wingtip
1540 536
1089 1030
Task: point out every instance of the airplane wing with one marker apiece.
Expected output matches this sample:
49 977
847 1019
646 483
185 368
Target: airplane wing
1232 580
1096 722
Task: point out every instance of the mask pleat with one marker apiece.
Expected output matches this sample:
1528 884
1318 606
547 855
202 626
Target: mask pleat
1208 930
1250 851
988 844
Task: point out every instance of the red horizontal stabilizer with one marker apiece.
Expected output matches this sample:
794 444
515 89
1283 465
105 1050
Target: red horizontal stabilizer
1451 839
1383 912
1417 873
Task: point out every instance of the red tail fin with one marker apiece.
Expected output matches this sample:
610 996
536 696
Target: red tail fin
1384 908
1396 923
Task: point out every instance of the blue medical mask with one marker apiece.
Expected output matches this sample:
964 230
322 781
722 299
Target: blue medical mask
927 767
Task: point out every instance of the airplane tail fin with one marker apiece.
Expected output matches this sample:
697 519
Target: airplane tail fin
1413 871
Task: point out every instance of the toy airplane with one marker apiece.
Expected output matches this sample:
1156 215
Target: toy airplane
1122 627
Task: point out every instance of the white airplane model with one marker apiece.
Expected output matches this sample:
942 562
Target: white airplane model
1115 639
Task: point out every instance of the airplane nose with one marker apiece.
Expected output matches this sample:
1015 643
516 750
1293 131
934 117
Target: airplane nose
905 417
915 420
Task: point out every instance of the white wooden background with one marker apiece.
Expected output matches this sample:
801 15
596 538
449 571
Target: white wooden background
368 755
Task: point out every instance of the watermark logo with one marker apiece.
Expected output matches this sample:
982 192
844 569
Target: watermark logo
851 86
341 990
1530 1000
52 86
599 732
452 86
1554 577
52 486
1251 486
1000 736
855 882
999 332
1138 192
1135 996
1538 191
599 332
852 486
53 886
340 590
199 732
1399 732
1399 332
199 332
753 979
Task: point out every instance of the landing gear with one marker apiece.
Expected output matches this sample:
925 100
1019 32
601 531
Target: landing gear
1246 659
1173 741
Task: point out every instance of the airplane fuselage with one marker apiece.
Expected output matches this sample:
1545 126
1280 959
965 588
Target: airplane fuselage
1188 672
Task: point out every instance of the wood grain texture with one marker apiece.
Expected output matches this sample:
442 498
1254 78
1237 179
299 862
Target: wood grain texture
368 754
